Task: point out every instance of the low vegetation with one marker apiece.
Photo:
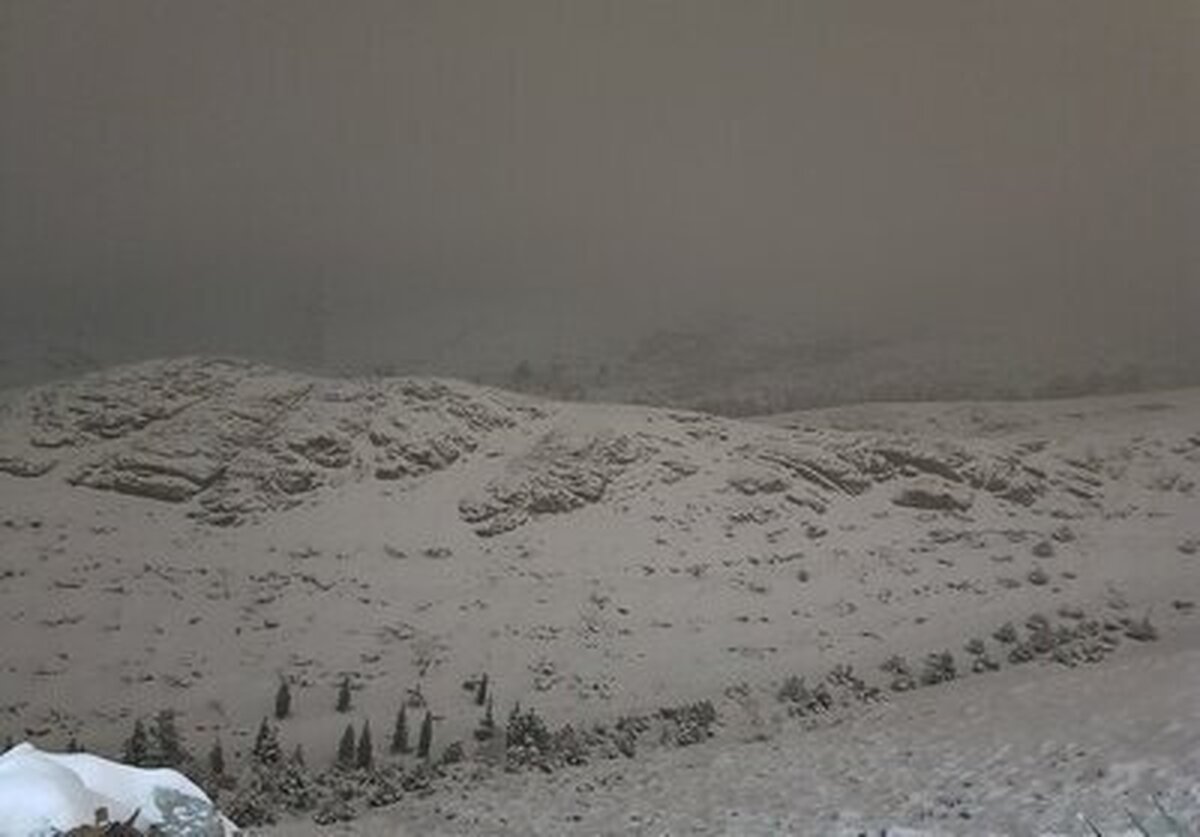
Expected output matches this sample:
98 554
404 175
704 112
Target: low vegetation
271 786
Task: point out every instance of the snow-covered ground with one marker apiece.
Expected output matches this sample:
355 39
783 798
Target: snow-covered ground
183 534
1026 751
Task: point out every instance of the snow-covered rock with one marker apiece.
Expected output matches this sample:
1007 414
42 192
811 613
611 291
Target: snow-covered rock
46 793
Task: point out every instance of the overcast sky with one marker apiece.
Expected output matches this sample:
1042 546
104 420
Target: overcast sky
179 174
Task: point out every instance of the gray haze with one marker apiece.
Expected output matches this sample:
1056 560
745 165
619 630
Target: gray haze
452 186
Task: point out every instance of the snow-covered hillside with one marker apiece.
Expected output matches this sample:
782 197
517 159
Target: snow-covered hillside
182 534
1050 752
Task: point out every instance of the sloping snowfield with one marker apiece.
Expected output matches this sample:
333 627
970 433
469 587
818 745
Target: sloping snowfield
1027 751
183 534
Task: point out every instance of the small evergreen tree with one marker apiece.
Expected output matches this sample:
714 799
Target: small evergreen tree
73 745
481 691
216 759
343 698
365 757
266 745
137 746
168 749
400 732
346 748
283 701
425 742
486 730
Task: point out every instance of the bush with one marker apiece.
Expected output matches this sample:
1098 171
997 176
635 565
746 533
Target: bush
454 753
266 745
1006 634
689 723
902 676
1020 653
939 668
842 677
526 731
801 700
1141 630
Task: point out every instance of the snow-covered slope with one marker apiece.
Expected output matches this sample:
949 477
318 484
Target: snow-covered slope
1028 751
184 533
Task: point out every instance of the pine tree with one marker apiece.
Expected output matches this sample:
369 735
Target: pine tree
137 747
266 745
345 752
343 698
73 745
168 748
425 742
481 691
8 744
400 732
486 730
366 751
216 759
283 701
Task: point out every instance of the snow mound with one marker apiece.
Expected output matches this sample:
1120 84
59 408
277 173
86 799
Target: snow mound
48 793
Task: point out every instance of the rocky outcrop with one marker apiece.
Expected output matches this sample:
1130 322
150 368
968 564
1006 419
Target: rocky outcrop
557 477
934 496
230 441
16 465
234 440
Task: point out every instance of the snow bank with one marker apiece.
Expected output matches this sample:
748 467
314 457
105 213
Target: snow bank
41 793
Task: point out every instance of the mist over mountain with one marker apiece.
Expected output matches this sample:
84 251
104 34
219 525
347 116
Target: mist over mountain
455 189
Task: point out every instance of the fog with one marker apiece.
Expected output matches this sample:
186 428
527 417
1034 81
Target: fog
451 187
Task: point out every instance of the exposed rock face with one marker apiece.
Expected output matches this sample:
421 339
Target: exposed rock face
751 484
24 466
230 441
558 476
932 496
233 440
826 470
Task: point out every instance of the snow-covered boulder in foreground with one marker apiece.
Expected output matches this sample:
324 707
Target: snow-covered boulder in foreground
46 793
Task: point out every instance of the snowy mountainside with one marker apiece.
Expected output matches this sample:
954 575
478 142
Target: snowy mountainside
183 533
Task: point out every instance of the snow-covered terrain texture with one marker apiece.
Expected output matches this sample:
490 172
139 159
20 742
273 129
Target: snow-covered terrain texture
1029 751
181 534
46 793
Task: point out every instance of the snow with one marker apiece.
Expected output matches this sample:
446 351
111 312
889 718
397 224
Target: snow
42 792
180 534
1027 751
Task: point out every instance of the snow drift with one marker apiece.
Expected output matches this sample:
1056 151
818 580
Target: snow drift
46 793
